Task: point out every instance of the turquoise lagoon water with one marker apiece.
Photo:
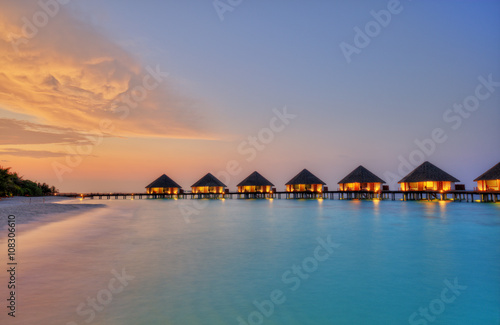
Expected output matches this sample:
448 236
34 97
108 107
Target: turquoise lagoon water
262 262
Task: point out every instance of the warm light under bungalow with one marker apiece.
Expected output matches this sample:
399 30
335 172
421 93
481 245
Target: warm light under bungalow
208 184
361 179
255 183
163 185
305 181
428 177
490 180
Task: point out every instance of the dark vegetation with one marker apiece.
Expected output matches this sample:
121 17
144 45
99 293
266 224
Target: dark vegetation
11 184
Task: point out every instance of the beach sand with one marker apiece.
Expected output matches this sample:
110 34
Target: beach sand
32 209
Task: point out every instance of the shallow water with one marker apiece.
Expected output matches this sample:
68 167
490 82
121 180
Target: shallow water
261 261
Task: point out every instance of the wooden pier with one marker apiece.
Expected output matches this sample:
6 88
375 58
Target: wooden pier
456 196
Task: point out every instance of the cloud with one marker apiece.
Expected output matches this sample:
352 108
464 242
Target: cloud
16 132
31 153
65 72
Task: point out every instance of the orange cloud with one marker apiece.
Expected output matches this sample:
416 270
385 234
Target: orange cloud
32 153
16 132
67 74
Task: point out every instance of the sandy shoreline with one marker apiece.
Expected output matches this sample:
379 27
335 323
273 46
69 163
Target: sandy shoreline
28 209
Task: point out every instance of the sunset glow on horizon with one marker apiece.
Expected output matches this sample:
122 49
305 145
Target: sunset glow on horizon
106 97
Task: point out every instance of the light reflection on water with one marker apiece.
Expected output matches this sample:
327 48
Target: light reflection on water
393 259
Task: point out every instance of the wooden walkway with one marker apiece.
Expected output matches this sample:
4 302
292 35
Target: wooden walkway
457 196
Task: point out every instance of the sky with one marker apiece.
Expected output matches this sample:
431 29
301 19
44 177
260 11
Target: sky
105 96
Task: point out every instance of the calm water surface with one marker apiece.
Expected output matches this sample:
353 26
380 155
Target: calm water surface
261 262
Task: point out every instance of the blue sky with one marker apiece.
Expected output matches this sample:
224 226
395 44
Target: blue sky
267 55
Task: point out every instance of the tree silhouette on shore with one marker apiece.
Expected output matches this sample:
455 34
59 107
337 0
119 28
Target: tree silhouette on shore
11 184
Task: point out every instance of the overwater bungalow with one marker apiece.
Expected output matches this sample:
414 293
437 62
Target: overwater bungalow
361 179
163 185
305 181
428 177
255 183
490 180
208 184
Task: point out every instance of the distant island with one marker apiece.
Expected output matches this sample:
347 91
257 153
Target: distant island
11 184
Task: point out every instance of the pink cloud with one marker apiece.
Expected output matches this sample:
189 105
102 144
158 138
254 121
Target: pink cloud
68 74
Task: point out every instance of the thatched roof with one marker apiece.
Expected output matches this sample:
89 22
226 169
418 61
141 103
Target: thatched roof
361 175
208 180
490 174
305 177
255 179
428 172
163 181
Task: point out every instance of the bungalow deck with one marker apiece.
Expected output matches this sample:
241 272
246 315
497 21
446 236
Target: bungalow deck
456 196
